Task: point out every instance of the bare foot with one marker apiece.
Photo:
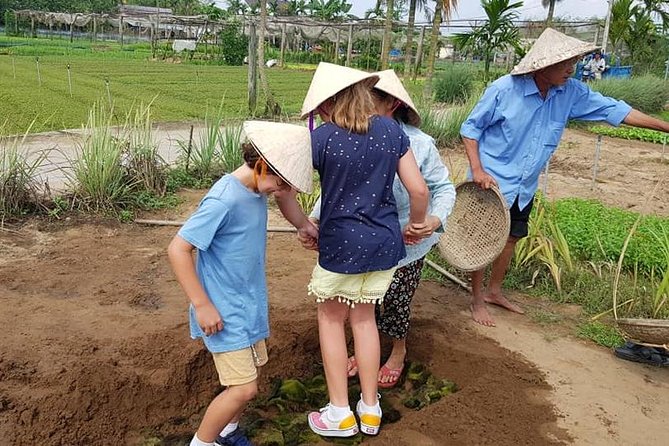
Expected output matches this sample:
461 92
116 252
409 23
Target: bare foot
481 316
351 367
500 300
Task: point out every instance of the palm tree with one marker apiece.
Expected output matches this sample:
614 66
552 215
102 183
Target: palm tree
658 9
272 108
329 10
621 16
497 32
237 7
550 4
442 11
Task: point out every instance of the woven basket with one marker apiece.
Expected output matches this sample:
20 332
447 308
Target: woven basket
646 331
477 229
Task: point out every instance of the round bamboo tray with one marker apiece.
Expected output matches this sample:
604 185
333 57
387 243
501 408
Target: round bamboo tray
646 331
477 229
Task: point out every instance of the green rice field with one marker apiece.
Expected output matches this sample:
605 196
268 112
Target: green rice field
103 71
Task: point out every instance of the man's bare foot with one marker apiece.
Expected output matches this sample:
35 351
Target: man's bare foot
481 316
500 300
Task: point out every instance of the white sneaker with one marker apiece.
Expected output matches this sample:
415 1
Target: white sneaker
370 422
320 423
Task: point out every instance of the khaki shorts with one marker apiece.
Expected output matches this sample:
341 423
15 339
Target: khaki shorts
240 366
363 288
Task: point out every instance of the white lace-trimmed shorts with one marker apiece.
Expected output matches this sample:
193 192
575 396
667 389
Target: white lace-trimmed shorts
362 288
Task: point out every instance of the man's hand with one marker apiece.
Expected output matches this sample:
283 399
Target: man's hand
208 319
483 179
308 234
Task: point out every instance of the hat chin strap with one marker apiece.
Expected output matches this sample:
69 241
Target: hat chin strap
311 121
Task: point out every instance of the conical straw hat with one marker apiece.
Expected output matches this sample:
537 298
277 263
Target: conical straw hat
391 84
329 79
286 148
550 48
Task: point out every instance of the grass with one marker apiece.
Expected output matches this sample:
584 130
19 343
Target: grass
602 334
179 92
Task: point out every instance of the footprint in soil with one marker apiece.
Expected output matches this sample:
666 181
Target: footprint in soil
146 301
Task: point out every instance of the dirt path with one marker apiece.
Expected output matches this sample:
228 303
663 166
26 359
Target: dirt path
102 352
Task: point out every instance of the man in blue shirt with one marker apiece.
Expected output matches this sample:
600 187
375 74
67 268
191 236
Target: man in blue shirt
514 129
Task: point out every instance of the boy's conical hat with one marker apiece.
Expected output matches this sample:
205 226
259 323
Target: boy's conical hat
329 79
550 48
286 148
391 84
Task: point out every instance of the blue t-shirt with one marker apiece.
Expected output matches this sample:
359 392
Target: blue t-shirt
359 227
229 230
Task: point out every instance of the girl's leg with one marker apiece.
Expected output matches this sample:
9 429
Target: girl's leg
331 318
226 407
367 350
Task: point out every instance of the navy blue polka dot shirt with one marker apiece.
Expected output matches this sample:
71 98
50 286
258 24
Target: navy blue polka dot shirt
359 226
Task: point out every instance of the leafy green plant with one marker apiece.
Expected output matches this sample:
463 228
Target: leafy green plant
234 44
98 176
454 85
230 142
201 156
631 133
601 333
19 189
307 201
444 125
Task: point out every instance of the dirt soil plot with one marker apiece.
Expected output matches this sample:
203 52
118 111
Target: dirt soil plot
95 347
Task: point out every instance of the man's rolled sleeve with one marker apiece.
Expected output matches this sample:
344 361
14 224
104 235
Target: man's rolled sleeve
618 114
481 116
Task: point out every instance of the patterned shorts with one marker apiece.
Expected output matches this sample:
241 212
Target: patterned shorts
393 316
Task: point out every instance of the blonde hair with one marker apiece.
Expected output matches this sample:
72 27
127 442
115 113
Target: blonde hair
353 106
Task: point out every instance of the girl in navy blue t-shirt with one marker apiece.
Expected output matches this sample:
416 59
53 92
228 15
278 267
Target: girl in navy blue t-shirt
357 154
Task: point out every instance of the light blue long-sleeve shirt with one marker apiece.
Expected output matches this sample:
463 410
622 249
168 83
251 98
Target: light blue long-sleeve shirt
517 130
442 191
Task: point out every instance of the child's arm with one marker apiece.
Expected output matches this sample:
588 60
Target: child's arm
307 231
180 253
413 182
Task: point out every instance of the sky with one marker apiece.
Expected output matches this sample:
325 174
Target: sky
531 9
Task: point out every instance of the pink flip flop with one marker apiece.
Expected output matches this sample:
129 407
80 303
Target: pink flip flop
393 374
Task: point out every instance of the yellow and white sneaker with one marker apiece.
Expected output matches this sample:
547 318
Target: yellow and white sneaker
370 420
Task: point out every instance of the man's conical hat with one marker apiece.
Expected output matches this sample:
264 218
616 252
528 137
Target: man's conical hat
550 48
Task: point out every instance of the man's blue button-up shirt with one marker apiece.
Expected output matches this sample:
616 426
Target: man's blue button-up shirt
518 130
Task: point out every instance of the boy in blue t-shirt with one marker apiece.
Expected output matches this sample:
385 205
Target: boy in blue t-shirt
226 284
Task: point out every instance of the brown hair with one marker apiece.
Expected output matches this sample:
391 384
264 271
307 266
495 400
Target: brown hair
353 106
387 101
253 159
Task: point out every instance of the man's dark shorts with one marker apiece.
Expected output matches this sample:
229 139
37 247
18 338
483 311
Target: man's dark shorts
519 219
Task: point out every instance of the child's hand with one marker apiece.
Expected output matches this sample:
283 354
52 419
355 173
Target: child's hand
208 319
426 228
308 234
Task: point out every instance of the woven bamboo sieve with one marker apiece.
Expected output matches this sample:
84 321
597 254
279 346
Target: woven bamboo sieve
477 229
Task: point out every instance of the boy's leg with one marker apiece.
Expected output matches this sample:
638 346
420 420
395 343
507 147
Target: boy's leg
367 349
227 406
331 318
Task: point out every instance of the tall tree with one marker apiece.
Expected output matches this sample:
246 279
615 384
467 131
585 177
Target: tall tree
442 11
497 32
621 16
272 108
387 34
550 4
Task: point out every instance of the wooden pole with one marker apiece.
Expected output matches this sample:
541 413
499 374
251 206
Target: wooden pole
69 79
336 55
253 67
288 229
598 147
419 52
349 48
14 67
448 275
39 76
120 30
95 28
283 45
